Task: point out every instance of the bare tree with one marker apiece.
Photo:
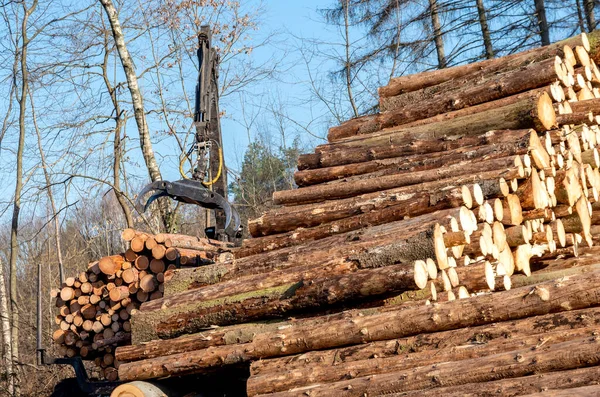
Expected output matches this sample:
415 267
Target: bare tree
138 105
55 218
14 235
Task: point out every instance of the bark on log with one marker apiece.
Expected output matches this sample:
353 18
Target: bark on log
414 205
244 333
583 391
285 378
547 357
591 105
575 292
334 155
537 114
399 85
423 166
512 387
193 312
286 219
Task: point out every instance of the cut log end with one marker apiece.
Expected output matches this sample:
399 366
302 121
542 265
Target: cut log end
546 113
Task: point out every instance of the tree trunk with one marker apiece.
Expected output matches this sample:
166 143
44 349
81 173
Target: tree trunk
14 232
285 378
138 105
6 334
545 358
437 34
589 14
590 105
419 81
468 94
485 31
580 16
540 12
573 293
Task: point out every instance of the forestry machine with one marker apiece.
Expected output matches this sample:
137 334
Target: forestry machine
207 186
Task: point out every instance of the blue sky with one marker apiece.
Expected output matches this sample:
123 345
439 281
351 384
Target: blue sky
286 23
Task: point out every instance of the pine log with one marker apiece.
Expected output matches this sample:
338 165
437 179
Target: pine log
281 220
285 378
109 265
582 391
572 293
244 333
576 118
547 357
534 113
511 387
447 163
590 105
191 242
413 205
399 85
329 155
188 315
320 251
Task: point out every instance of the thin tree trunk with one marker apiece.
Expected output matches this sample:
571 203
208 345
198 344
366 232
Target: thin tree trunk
580 18
117 149
6 334
138 105
540 11
57 238
437 34
14 232
485 31
589 14
348 68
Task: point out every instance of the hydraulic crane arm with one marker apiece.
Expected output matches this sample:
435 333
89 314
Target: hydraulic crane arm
207 147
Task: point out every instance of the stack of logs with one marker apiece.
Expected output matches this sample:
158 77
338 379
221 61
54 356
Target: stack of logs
96 305
444 245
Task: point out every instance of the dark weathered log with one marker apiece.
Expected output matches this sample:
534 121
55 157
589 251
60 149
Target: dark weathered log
533 113
399 85
572 293
546 357
263 380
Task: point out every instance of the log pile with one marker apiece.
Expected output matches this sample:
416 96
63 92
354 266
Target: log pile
444 245
95 306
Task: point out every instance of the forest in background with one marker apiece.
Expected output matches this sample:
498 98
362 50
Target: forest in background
98 99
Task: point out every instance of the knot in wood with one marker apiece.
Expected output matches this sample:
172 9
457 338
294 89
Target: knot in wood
519 358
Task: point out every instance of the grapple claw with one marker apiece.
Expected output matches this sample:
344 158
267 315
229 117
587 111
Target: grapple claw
191 192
